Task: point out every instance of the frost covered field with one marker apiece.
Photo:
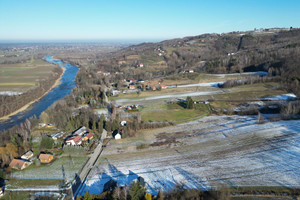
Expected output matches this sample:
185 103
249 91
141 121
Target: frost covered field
232 150
54 170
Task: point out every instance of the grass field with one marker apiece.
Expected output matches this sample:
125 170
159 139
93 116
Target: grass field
149 59
243 93
53 170
22 76
158 93
19 183
170 112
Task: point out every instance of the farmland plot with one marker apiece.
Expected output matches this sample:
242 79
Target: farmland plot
54 170
231 150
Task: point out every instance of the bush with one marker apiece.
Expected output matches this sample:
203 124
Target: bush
46 143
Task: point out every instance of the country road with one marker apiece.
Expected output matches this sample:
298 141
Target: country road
80 178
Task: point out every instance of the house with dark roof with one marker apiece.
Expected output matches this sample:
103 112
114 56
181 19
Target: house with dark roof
82 130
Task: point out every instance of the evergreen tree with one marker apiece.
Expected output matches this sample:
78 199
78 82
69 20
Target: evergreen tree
137 191
94 126
189 103
108 125
100 127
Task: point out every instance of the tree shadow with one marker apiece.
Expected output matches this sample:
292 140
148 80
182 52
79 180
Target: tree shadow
107 180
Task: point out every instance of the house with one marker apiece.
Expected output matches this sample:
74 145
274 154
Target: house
115 92
141 65
191 71
154 88
57 135
106 73
117 135
75 140
19 164
41 125
131 87
123 123
27 155
163 86
88 136
50 126
45 158
82 130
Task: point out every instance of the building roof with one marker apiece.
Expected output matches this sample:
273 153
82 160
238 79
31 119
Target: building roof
81 131
89 135
28 153
44 156
118 136
17 163
76 139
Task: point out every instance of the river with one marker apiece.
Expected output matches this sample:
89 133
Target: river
65 87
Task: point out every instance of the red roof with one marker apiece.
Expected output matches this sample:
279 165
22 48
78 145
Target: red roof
89 135
17 164
76 139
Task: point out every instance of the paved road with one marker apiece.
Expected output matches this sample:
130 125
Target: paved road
80 178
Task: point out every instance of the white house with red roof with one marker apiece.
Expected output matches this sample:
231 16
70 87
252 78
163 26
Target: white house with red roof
75 140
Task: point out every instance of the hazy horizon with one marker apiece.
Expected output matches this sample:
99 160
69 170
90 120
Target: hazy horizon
139 20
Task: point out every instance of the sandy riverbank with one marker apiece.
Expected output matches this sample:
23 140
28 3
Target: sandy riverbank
56 83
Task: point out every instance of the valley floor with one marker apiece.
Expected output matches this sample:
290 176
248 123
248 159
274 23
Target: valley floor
209 152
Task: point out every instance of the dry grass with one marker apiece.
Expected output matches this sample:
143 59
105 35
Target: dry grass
23 76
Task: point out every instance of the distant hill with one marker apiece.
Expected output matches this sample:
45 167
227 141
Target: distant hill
276 51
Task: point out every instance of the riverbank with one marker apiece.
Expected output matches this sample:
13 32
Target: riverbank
56 83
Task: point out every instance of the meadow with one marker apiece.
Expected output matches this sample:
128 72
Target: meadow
21 77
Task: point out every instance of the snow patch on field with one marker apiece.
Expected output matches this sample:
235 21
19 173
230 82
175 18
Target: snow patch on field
209 84
258 73
283 97
232 150
10 93
170 96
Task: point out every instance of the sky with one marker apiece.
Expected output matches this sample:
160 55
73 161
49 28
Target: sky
139 19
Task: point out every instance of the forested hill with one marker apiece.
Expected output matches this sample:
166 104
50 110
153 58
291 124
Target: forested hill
276 51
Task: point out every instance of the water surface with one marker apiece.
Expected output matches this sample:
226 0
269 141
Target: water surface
65 87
